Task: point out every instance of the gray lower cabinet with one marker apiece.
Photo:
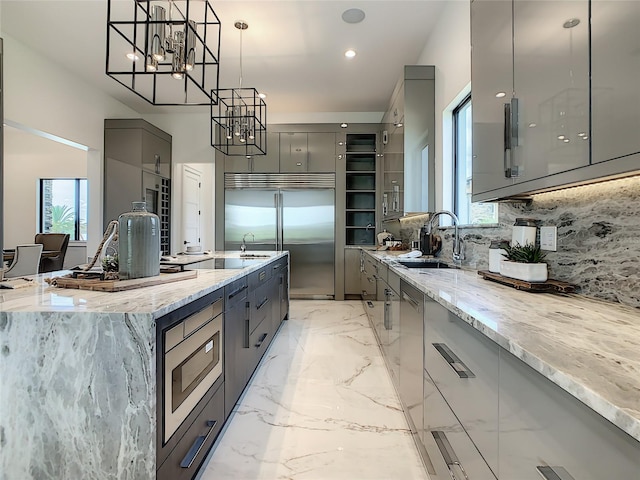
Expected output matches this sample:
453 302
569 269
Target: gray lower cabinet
461 386
546 433
352 257
236 341
391 323
367 278
411 359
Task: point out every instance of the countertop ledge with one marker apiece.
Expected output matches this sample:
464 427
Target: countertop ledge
589 348
152 302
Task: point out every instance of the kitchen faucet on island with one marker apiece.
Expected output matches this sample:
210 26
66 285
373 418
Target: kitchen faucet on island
243 247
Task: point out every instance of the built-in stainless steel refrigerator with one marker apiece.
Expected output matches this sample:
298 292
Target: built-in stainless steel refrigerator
294 212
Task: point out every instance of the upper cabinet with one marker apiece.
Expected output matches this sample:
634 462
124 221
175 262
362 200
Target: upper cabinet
538 124
293 152
409 144
321 148
268 163
615 76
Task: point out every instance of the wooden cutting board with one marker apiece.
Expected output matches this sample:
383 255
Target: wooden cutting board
549 286
120 285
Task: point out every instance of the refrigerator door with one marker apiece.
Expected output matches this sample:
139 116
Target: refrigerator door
308 233
254 212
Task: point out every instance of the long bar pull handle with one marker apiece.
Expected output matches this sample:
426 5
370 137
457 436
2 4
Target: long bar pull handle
247 326
193 452
507 140
236 292
387 309
262 338
281 220
263 303
449 455
554 473
452 359
413 302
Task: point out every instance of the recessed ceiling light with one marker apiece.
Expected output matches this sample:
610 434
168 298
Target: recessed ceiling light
501 94
561 137
572 22
343 125
353 15
133 56
350 53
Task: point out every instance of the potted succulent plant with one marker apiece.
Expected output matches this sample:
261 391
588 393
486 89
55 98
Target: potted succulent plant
524 263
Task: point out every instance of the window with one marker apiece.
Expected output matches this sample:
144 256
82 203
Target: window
467 212
63 207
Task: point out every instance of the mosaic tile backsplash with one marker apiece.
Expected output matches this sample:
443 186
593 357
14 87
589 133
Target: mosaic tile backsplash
598 237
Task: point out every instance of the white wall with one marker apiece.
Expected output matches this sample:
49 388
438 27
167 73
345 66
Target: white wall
448 48
27 158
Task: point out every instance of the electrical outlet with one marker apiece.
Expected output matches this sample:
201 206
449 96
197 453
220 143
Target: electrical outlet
549 238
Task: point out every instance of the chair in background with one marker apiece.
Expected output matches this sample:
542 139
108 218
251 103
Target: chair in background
57 242
25 262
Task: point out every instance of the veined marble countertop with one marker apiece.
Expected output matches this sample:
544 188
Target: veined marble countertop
78 369
589 348
156 301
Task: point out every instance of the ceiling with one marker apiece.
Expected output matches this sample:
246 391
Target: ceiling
293 50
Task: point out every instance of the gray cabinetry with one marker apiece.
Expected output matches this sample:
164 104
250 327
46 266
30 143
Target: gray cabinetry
461 371
539 121
352 257
236 341
137 166
367 278
391 324
269 163
321 147
293 152
615 74
411 359
409 151
544 430
361 188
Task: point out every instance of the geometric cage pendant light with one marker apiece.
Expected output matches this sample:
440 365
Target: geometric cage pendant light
165 51
239 117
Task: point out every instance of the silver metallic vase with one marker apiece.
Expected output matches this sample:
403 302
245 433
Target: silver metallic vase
139 243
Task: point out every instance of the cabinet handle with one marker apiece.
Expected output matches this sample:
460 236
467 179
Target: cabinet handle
262 304
554 473
157 159
387 309
247 325
237 292
298 164
262 338
385 204
369 304
452 359
193 452
415 304
507 140
449 455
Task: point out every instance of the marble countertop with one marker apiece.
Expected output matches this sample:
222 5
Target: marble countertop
154 301
589 348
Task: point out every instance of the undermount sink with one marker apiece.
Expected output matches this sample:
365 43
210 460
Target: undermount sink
254 255
423 264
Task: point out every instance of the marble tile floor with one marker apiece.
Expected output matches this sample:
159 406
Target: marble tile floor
320 406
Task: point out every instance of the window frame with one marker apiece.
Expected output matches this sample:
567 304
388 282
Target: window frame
466 101
77 216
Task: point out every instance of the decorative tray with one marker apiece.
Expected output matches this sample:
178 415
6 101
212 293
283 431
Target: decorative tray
549 286
95 283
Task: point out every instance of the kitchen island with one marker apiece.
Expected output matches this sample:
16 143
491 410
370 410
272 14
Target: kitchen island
528 368
79 374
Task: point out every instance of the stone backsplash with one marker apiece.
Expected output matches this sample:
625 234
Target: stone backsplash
598 237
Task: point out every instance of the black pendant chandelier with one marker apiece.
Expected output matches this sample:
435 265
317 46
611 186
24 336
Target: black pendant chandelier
239 117
165 51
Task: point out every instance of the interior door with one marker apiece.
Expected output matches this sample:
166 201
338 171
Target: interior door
191 206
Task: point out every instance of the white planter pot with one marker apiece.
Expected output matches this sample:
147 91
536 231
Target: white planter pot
529 272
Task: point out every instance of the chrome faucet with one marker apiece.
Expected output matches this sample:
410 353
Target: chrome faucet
243 247
458 255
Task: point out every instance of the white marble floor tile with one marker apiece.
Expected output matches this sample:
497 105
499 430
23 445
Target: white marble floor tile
321 406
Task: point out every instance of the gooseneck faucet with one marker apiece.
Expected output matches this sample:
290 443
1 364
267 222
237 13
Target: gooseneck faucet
457 244
243 247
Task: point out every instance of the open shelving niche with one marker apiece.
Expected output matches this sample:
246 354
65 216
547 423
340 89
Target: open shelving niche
360 188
